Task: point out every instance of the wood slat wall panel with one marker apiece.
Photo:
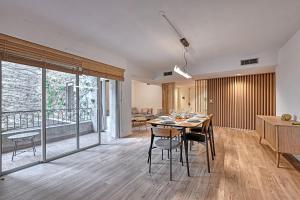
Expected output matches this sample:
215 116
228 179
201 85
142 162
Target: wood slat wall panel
235 101
168 97
20 51
201 96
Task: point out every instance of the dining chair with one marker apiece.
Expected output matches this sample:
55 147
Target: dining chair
211 135
211 130
202 137
167 141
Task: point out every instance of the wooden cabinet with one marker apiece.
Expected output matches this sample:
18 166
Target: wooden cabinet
281 136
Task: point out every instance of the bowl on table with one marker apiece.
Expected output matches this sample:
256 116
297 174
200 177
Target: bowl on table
168 121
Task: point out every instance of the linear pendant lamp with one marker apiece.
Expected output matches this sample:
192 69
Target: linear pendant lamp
182 71
178 70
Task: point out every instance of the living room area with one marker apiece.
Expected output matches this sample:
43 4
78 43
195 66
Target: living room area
146 101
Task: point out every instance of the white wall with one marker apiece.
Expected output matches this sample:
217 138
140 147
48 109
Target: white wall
146 96
226 66
24 26
288 78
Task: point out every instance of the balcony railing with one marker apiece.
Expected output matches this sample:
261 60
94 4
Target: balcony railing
33 118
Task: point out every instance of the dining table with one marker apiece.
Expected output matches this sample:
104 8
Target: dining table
183 124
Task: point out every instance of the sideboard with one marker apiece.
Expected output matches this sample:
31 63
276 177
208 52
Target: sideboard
281 136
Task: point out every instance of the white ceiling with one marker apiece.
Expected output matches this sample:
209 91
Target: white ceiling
135 30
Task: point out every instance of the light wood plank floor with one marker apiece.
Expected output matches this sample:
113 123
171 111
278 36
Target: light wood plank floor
243 169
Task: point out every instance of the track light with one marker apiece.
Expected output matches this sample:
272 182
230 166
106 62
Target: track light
178 70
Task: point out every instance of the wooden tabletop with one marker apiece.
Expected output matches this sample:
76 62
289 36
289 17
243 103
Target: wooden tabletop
276 121
178 123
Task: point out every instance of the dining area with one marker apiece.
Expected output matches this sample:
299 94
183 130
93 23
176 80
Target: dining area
177 133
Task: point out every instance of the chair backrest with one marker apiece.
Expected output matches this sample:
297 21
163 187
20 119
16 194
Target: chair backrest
164 132
205 125
210 118
141 118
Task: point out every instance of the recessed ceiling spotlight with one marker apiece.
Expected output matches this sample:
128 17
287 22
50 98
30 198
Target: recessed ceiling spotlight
238 74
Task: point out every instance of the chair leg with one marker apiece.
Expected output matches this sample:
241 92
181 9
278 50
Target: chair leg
14 151
186 153
150 152
211 147
181 159
33 146
207 153
213 140
162 154
190 145
168 154
170 158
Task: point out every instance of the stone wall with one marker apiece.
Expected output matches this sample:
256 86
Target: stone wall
21 87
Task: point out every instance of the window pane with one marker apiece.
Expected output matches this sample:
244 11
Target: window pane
21 115
60 113
88 111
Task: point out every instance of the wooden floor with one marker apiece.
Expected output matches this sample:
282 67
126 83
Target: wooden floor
243 169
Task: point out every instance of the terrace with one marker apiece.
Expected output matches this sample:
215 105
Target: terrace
60 134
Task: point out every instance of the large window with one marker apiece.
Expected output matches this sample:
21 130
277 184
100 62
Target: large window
88 111
60 113
78 112
21 115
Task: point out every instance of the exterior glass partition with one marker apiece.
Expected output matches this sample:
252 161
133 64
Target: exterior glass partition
110 112
60 113
88 111
21 115
47 114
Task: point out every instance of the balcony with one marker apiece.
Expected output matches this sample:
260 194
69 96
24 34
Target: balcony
60 134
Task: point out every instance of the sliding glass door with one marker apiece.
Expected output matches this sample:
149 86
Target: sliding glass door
21 115
88 111
109 110
60 113
46 114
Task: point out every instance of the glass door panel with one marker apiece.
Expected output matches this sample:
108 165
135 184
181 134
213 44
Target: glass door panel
21 115
88 111
108 131
60 113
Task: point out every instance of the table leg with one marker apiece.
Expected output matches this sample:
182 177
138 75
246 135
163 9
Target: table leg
260 139
186 150
278 159
33 146
14 151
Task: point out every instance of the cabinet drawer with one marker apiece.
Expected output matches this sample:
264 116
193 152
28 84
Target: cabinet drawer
289 139
260 126
270 135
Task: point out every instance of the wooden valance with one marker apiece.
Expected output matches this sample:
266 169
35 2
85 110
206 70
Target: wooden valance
23 52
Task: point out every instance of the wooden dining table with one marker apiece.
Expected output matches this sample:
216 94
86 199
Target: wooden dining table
183 124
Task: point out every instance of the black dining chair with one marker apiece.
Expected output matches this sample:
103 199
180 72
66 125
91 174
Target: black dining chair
167 140
204 137
211 136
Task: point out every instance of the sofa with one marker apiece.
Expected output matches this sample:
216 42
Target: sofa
143 112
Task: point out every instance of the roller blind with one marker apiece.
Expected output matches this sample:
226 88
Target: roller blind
20 51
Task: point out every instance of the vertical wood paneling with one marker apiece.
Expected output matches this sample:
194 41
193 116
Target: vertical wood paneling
235 101
201 96
168 97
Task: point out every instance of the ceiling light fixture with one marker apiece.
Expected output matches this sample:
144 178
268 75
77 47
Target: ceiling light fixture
182 71
178 70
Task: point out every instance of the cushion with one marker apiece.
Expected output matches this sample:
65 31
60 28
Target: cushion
134 110
144 111
165 144
195 137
